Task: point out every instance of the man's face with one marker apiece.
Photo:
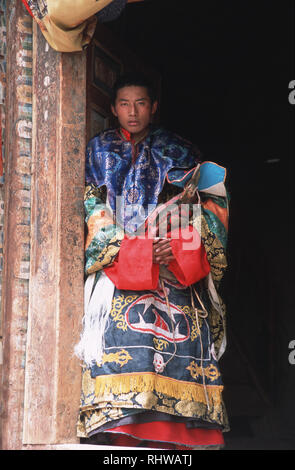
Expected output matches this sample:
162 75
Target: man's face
134 109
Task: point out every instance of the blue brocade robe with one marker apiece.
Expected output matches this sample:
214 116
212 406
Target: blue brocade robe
161 345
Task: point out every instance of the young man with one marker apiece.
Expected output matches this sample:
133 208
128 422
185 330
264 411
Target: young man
155 254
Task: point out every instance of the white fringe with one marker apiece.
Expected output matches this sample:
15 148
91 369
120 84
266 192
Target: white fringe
216 303
97 307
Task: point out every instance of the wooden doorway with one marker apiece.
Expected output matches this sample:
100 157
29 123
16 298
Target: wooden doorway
41 391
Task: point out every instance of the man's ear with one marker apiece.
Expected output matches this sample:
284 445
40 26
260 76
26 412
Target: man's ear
114 110
154 107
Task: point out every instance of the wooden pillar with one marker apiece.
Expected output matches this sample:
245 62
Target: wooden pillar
53 373
44 246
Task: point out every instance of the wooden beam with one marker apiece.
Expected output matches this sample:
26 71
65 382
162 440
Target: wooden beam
53 373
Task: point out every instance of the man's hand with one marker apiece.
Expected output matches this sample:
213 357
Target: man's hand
162 251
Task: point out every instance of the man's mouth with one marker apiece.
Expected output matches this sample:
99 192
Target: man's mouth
133 123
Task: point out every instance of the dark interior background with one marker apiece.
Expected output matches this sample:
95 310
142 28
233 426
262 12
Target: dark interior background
226 67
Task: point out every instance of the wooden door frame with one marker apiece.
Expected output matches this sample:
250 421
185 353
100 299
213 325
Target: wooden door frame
41 376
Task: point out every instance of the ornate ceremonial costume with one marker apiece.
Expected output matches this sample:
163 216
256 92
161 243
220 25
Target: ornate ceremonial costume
153 334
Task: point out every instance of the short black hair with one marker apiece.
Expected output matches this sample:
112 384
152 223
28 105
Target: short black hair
134 79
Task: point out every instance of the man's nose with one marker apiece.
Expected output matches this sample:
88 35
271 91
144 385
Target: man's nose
132 110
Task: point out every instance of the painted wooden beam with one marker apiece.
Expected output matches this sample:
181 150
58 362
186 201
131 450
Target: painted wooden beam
15 288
